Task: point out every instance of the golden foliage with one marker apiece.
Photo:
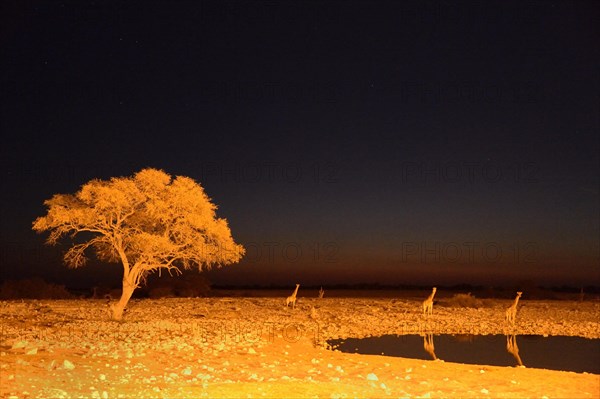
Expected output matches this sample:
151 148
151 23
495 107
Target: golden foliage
148 221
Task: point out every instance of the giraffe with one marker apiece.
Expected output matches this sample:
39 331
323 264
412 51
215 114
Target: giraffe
292 298
428 303
513 349
511 312
321 292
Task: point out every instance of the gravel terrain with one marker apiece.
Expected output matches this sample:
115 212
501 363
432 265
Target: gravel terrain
256 347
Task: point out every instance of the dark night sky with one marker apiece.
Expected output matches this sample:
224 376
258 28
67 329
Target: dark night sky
393 142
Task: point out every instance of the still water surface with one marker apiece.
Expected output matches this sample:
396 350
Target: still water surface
553 353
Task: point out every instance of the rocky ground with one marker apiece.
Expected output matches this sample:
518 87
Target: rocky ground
256 347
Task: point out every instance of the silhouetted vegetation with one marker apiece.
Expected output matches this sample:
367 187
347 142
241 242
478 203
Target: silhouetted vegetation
35 288
186 285
462 301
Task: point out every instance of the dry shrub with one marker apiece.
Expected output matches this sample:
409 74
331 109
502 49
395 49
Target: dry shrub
161 292
192 285
463 301
186 285
35 288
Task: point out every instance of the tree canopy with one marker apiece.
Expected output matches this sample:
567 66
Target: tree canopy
147 222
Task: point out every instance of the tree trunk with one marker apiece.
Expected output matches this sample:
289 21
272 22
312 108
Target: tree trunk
118 308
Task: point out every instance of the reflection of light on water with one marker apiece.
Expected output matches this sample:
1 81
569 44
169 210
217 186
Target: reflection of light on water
554 353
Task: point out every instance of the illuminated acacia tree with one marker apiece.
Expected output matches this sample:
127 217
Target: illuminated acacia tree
146 222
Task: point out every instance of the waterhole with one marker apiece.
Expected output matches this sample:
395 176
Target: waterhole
536 351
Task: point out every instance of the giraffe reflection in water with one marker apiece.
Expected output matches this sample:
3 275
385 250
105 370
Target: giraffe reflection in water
513 349
428 345
511 345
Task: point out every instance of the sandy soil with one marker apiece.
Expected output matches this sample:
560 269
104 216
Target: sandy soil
256 347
